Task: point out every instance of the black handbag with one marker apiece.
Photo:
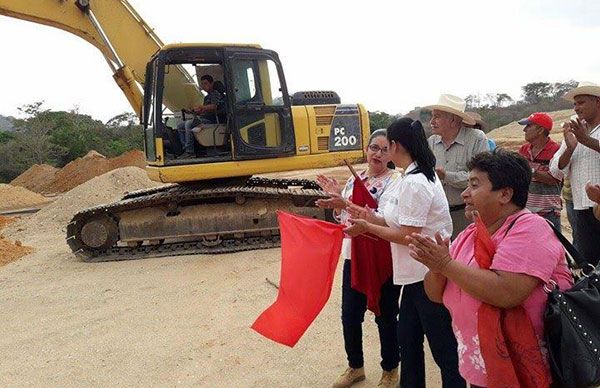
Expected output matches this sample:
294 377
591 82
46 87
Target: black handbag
572 325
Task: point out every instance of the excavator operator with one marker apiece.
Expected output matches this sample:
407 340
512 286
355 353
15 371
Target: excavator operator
203 114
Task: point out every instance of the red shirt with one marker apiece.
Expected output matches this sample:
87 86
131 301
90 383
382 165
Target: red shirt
543 198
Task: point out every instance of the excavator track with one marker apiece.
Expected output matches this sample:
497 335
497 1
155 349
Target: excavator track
137 226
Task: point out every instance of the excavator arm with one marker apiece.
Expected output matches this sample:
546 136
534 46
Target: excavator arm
122 36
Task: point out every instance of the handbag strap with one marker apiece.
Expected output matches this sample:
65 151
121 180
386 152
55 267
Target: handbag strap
574 258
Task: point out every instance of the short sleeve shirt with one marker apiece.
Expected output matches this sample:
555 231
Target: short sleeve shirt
543 198
413 200
530 247
583 167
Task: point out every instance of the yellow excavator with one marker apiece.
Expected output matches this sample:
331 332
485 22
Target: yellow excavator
213 204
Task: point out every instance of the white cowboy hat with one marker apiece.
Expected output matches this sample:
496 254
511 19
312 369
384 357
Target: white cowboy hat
452 104
584 88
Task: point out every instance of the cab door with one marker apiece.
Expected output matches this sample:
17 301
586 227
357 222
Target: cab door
261 122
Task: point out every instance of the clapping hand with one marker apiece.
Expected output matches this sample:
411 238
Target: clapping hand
593 191
329 185
435 254
358 226
359 212
579 129
570 138
334 190
335 201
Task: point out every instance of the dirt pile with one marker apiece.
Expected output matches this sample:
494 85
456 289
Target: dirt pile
5 221
102 189
36 178
91 165
17 197
511 135
10 251
47 179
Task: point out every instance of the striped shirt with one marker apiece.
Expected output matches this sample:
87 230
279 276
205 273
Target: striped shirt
543 198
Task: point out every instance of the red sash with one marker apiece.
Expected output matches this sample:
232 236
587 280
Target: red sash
371 256
508 343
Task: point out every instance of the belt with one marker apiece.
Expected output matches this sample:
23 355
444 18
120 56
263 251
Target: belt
457 207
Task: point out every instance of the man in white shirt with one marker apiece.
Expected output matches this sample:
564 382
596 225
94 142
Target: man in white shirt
579 160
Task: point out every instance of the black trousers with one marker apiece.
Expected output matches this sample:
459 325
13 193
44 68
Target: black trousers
586 232
421 317
354 306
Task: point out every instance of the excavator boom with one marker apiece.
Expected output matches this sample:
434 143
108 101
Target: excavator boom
125 40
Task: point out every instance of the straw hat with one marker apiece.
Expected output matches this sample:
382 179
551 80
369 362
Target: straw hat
452 104
478 119
584 88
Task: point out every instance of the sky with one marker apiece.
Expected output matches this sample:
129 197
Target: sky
388 55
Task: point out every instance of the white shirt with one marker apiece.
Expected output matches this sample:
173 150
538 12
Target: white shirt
583 167
412 200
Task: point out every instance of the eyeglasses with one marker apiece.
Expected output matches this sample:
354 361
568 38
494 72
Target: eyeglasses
375 148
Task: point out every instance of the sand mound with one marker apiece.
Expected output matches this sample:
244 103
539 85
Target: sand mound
511 135
10 251
106 188
5 221
36 178
94 154
17 197
91 165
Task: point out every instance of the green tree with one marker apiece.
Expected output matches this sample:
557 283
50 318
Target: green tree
380 119
5 137
534 92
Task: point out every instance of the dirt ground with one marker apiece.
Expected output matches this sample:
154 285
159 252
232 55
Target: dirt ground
181 321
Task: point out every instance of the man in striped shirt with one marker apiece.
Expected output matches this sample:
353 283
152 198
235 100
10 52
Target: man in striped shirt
544 189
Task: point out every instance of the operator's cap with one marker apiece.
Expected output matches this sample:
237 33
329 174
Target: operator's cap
541 119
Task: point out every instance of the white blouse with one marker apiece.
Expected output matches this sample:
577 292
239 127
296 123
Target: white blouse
412 200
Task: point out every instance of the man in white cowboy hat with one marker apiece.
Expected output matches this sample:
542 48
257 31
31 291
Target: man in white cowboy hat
453 145
578 158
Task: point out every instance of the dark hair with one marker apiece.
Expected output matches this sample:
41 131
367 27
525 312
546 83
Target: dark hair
377 133
411 135
505 169
207 77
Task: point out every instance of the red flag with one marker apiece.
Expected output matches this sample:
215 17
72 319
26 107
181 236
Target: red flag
508 343
310 250
371 256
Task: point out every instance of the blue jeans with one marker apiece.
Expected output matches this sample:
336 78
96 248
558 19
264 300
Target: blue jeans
354 306
421 317
186 136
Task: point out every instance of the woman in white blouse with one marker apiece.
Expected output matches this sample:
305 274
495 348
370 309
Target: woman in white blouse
376 177
416 203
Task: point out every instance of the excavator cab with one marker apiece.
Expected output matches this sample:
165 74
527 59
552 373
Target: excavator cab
254 121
